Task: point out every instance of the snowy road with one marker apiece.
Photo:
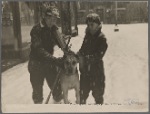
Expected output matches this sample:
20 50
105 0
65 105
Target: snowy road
125 62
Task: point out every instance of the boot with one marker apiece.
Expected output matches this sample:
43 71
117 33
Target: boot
58 98
82 101
100 100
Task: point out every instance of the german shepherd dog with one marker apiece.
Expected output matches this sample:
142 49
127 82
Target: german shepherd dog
69 77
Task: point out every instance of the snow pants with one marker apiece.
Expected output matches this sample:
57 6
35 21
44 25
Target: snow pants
38 72
92 78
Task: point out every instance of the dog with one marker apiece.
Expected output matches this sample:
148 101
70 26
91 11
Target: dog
70 78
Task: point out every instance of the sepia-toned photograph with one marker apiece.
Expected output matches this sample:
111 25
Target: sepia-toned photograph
74 56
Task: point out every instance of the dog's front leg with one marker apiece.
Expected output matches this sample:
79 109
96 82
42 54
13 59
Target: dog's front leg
66 101
65 95
77 89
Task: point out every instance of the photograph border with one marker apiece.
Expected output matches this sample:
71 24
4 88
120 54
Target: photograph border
89 105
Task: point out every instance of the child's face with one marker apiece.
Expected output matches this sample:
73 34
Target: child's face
93 27
50 20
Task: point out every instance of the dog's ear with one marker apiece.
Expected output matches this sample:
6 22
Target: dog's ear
64 56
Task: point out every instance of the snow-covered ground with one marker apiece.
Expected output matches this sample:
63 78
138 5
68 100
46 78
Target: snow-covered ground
126 70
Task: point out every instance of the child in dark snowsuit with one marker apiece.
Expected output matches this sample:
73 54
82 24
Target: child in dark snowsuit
91 64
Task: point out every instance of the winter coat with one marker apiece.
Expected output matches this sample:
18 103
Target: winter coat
43 40
94 46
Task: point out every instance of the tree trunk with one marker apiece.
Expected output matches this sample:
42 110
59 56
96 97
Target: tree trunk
36 12
87 9
16 22
65 14
76 15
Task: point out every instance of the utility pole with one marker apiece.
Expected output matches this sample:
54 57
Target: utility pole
116 15
116 18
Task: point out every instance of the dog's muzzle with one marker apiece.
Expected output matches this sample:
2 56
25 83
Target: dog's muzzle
70 71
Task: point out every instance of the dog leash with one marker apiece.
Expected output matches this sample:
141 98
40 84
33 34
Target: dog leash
49 95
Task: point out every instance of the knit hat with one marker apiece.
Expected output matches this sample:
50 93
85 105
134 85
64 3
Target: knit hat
50 9
93 17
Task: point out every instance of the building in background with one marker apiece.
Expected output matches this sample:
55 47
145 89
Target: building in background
127 12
